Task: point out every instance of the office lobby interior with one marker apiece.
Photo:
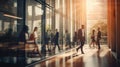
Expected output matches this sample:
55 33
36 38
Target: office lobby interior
20 18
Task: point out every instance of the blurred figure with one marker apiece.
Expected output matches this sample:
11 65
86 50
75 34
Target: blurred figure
8 37
56 39
26 32
51 35
22 36
93 42
98 38
67 39
47 40
81 38
51 39
9 32
34 37
75 39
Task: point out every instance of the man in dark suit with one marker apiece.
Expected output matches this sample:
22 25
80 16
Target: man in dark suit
81 38
98 38
56 39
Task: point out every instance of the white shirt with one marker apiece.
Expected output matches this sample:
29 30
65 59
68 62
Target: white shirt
35 34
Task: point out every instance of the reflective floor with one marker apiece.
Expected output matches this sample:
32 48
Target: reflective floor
33 57
91 58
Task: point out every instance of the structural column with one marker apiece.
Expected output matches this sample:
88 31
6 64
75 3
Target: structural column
111 25
71 21
53 15
61 21
117 28
21 60
43 23
67 23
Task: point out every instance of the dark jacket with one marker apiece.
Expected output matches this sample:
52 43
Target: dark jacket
56 37
99 35
80 37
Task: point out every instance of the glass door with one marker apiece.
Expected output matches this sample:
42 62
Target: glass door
34 13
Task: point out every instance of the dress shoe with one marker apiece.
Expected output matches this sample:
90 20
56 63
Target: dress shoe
83 53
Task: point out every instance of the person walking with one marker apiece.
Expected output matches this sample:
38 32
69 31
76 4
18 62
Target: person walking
56 39
47 40
67 39
93 41
98 38
75 39
34 37
81 38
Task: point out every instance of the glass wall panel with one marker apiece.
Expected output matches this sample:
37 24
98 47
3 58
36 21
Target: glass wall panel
9 31
6 26
58 15
34 13
48 19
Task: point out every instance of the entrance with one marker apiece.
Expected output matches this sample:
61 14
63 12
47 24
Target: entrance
96 11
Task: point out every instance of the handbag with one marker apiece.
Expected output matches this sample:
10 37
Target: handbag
32 37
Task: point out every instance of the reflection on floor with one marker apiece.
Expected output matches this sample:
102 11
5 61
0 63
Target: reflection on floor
35 57
91 58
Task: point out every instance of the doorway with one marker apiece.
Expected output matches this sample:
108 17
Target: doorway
96 16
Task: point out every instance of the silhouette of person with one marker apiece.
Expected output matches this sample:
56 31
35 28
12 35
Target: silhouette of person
47 39
22 35
81 38
98 38
75 39
52 37
56 39
67 39
26 32
35 38
35 35
93 41
8 35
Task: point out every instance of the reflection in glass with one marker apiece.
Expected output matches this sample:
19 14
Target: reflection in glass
6 25
30 10
15 4
33 20
38 11
15 26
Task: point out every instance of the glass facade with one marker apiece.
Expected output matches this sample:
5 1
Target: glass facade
8 23
11 26
33 19
56 17
47 16
34 13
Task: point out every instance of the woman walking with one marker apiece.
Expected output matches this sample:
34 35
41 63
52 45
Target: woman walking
93 41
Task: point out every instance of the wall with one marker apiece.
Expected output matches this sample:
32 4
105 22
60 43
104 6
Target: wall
111 25
114 26
118 31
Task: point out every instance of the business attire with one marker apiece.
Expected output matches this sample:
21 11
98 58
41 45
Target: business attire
67 39
81 38
46 38
56 39
98 39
